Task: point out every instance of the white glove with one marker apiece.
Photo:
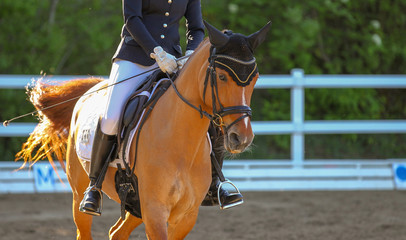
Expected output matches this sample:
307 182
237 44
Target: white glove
166 61
182 62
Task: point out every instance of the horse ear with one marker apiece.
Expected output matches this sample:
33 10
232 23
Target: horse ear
217 38
257 38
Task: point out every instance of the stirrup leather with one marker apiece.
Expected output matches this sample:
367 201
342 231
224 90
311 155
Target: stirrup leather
83 203
222 206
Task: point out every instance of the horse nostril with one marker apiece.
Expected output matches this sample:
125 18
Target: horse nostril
234 138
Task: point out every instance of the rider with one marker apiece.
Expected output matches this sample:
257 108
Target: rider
149 39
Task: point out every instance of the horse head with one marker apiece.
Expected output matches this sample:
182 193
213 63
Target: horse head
231 76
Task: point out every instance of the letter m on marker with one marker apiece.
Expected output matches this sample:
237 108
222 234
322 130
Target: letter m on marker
44 177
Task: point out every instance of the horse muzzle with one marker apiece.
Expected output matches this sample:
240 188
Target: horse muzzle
238 139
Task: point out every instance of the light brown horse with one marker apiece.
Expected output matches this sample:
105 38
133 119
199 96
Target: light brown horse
173 158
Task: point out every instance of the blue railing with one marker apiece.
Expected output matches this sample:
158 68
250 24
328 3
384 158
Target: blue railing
262 175
297 127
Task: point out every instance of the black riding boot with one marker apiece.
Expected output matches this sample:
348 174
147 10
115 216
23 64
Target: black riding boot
226 199
102 147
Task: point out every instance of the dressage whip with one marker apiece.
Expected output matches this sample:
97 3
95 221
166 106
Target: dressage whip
7 122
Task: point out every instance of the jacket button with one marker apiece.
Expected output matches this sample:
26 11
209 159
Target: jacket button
165 25
162 36
167 14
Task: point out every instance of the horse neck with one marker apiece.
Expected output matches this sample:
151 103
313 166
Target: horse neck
191 80
189 84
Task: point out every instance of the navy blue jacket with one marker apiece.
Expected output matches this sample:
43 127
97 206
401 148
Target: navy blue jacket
152 23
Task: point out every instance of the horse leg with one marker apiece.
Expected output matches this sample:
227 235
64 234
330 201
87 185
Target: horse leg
78 180
82 221
115 227
155 219
123 228
181 228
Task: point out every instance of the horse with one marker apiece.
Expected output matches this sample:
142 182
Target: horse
172 164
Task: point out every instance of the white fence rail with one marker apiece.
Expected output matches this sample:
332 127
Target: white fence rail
40 178
294 174
248 175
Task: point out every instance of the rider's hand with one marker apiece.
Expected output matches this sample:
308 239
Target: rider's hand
166 61
182 62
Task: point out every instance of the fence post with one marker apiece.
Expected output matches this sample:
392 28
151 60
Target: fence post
297 117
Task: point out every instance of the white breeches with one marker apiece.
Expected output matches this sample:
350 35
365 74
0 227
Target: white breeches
118 94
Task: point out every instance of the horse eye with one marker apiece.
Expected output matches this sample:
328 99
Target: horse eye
222 77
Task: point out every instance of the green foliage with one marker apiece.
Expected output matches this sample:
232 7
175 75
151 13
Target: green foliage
320 36
351 146
58 37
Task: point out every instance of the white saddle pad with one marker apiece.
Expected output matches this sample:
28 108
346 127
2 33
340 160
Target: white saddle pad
90 108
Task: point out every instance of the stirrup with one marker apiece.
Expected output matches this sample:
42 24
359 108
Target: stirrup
222 206
84 202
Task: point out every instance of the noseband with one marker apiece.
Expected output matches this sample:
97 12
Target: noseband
211 75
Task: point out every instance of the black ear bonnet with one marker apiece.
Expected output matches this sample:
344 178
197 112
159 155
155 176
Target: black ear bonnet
237 59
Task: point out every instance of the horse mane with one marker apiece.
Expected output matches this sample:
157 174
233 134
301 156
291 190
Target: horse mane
50 136
203 44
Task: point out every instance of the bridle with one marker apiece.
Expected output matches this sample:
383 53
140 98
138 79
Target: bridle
211 76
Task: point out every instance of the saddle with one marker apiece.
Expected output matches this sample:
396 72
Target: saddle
131 121
152 89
